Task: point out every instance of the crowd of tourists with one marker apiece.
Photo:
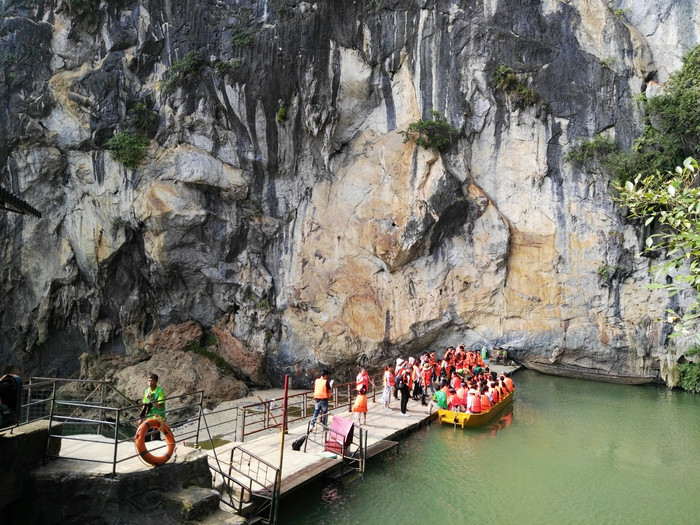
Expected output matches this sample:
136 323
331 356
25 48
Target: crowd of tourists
459 381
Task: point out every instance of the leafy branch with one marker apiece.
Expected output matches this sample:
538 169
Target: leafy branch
671 199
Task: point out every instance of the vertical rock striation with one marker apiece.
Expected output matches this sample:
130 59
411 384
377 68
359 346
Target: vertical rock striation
278 206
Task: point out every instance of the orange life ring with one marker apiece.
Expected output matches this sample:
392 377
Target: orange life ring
140 442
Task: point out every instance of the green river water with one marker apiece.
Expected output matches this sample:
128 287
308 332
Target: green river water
569 452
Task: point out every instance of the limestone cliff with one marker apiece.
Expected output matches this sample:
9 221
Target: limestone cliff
279 211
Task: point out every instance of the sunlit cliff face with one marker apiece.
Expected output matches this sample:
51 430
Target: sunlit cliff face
316 236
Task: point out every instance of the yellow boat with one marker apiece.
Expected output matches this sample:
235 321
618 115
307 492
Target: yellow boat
474 420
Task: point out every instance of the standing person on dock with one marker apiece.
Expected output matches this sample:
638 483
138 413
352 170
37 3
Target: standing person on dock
360 407
403 379
322 393
397 371
153 406
362 380
388 386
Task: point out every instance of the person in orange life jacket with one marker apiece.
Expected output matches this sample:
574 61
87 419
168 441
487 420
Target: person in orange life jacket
509 384
485 401
403 379
362 380
462 394
415 381
322 393
473 401
426 376
495 395
359 408
456 381
453 401
388 386
397 371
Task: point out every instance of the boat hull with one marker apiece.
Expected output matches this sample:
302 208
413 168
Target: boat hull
588 375
474 420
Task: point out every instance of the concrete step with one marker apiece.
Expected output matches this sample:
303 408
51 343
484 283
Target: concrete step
221 517
191 503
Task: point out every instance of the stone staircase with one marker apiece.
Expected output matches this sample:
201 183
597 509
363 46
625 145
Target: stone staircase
65 491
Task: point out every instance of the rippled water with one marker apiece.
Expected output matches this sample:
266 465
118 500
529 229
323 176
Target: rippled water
569 452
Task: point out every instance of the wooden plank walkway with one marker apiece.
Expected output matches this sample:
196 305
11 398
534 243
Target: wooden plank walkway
384 430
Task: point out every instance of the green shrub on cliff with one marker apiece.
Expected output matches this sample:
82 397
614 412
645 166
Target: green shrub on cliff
520 95
690 372
436 134
671 132
181 71
128 148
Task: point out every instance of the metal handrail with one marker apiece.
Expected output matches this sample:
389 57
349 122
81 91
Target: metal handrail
268 486
118 422
257 417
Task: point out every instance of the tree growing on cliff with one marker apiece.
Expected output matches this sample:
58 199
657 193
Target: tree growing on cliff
431 134
671 131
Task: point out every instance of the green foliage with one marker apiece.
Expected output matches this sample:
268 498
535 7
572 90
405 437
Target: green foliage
431 134
215 358
617 12
128 148
228 67
242 37
144 118
690 377
598 149
672 200
672 129
520 95
282 114
210 339
606 272
182 71
504 78
608 62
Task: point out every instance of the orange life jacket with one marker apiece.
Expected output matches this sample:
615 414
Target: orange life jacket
321 390
485 403
362 381
388 378
509 384
476 404
360 404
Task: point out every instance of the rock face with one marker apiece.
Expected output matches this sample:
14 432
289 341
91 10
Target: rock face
279 209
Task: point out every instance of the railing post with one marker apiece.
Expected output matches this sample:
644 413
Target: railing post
53 401
103 401
116 443
199 419
243 426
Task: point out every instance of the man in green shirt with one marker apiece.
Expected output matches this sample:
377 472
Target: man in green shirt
439 399
153 405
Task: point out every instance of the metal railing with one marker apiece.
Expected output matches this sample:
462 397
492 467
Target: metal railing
267 414
250 481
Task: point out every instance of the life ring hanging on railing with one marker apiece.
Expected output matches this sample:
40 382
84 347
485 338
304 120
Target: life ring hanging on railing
140 442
